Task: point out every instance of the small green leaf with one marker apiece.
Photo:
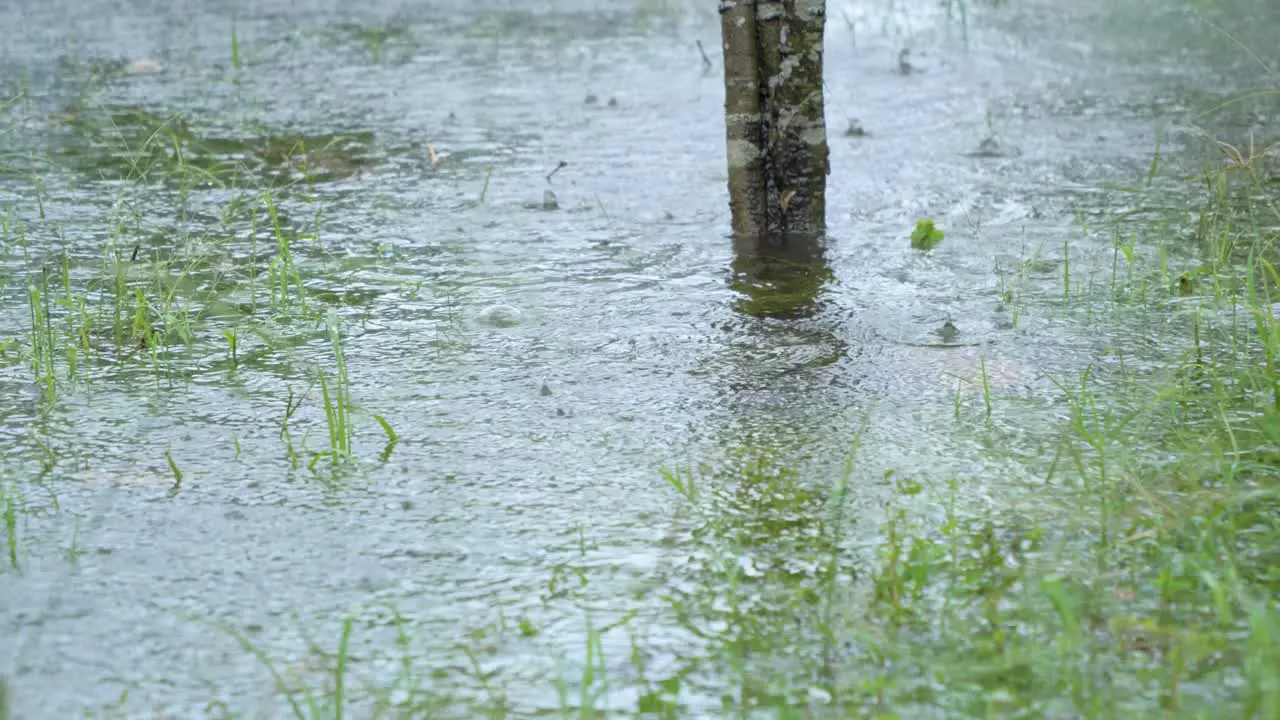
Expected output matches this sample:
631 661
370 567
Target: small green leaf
926 236
386 428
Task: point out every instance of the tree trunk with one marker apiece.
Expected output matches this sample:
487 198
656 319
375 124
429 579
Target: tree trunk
775 129
776 145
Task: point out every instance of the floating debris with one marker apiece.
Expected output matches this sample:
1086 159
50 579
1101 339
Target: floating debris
706 59
143 67
548 202
990 147
904 62
855 129
947 331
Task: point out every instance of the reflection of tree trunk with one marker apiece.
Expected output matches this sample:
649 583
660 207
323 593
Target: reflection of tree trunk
785 281
774 124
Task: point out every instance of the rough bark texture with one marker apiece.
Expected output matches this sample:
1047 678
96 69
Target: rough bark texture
798 125
743 118
774 120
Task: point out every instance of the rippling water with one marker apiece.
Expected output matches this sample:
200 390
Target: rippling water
539 366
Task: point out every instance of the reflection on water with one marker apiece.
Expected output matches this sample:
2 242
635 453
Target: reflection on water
780 279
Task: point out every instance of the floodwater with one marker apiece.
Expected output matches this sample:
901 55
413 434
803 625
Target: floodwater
540 365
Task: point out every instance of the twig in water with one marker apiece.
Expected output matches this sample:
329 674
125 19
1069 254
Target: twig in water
562 164
706 61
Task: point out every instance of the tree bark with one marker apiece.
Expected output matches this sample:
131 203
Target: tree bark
743 117
776 146
775 127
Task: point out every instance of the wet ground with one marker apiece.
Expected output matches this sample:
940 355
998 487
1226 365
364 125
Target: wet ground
539 365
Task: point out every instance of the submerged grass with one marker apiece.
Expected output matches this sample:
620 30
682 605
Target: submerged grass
9 503
160 299
305 703
1136 576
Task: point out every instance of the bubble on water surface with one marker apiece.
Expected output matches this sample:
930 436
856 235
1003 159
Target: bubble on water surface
501 315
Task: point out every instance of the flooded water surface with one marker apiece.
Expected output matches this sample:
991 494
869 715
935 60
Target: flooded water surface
415 315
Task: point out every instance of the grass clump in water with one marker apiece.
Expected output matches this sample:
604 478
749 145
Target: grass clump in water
1138 577
337 400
